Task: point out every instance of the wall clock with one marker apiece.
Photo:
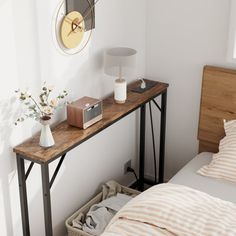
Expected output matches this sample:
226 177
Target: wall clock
72 25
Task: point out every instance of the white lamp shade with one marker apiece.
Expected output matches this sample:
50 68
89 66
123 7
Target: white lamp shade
120 62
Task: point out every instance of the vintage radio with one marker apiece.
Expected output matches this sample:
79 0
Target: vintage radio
84 112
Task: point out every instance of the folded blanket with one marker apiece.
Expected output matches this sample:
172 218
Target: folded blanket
170 209
101 214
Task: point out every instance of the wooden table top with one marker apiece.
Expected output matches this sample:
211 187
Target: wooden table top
67 137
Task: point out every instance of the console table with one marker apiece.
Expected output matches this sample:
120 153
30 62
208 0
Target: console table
68 137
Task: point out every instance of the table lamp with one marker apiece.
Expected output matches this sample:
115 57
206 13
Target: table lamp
120 62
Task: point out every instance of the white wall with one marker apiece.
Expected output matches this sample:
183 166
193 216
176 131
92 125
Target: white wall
28 57
183 36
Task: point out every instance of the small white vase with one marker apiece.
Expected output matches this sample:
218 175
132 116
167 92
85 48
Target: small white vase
46 138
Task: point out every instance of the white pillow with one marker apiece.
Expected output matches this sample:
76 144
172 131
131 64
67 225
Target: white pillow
223 164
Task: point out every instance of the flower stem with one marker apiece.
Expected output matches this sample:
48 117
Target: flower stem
42 113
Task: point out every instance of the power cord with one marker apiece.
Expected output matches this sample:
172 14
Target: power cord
129 169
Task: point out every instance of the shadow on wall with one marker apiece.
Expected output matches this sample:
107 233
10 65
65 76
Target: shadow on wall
82 84
25 61
88 78
7 162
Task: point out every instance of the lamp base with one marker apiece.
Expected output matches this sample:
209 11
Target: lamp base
120 102
120 91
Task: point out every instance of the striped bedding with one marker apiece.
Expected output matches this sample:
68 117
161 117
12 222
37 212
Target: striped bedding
170 209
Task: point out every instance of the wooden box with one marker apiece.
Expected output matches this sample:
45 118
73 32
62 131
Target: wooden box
84 112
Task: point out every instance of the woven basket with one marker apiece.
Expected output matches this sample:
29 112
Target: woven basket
98 198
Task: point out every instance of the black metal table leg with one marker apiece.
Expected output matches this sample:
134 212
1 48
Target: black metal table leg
46 199
162 137
142 147
23 195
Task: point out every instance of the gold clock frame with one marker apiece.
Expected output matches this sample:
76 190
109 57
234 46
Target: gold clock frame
66 27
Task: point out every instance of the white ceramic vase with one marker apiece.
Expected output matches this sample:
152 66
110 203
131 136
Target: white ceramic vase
46 138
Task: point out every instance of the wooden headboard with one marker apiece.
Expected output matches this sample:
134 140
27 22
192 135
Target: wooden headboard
218 102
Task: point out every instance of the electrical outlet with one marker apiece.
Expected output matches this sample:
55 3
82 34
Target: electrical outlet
127 164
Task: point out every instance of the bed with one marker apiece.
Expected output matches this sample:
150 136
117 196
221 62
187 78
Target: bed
191 204
188 176
218 102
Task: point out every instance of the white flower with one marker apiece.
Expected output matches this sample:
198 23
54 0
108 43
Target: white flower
28 94
47 110
54 103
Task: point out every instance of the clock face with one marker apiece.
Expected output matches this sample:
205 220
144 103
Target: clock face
72 30
69 33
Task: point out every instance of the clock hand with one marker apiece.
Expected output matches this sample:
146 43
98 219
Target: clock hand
74 22
75 26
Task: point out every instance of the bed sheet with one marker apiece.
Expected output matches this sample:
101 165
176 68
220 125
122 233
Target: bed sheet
188 176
